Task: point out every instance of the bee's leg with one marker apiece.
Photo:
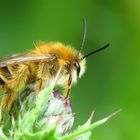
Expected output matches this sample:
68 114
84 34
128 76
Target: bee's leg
7 102
39 85
2 121
11 113
19 102
14 85
68 88
9 105
26 92
42 77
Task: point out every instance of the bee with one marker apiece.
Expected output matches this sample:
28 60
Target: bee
40 66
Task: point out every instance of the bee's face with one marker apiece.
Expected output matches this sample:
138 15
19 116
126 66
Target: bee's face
78 69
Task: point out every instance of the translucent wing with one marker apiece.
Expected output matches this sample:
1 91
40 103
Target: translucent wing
22 58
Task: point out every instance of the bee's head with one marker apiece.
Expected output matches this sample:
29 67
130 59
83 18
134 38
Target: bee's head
79 62
78 68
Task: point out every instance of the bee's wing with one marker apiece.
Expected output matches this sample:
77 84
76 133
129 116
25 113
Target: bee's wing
22 58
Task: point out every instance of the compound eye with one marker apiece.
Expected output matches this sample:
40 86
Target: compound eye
78 67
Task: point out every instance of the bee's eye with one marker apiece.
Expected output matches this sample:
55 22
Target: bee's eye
78 67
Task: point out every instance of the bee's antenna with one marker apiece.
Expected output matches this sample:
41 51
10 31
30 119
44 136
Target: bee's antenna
93 52
84 36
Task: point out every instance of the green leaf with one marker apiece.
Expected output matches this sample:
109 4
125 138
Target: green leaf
82 130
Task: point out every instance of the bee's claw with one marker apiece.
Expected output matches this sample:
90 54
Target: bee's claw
12 115
66 100
2 121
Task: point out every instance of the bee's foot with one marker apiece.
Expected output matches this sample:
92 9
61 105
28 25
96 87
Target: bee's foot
2 121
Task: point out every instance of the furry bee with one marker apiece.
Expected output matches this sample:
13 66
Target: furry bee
40 66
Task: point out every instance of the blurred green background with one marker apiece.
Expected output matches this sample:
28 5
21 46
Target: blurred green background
112 78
